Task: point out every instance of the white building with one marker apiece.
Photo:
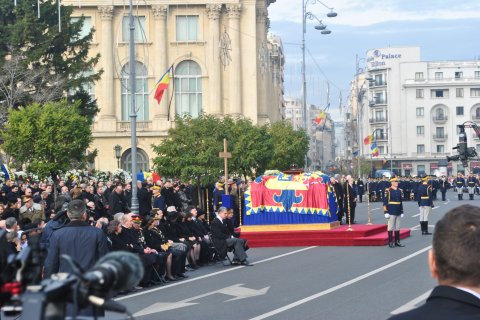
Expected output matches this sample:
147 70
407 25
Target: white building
413 107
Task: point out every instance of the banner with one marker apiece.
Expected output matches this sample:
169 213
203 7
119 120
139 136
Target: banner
290 199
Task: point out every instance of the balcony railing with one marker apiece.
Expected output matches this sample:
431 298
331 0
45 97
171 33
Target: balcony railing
440 119
380 137
141 125
376 102
378 120
440 137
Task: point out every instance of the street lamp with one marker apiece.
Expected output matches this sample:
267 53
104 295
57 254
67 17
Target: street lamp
323 30
118 154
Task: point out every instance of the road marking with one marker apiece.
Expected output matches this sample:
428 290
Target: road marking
237 291
412 304
340 286
375 209
179 283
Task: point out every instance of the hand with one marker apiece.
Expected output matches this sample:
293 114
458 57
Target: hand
386 215
401 216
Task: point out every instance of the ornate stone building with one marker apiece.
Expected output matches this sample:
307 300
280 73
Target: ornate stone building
225 64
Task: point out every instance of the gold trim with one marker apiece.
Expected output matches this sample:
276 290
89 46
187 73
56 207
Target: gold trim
290 227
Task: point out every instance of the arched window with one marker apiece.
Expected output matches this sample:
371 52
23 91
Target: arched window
440 113
141 92
142 161
476 108
188 88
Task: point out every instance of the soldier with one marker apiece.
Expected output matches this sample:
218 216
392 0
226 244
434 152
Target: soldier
459 184
425 203
444 185
471 183
393 211
435 186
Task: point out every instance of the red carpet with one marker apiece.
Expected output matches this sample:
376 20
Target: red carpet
362 235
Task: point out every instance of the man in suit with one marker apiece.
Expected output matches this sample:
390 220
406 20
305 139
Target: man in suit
454 261
223 239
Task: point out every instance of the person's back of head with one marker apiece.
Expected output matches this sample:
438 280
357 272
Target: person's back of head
455 258
76 210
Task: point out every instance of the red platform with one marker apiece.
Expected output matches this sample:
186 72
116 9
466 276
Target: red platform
361 235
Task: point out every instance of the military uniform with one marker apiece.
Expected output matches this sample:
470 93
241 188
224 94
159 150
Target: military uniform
444 185
393 211
425 203
471 183
459 184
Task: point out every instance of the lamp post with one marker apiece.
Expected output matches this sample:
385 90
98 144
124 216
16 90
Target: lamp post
118 154
323 30
359 105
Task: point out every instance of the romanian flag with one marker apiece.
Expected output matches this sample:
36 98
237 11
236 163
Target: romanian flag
368 139
374 149
320 117
162 85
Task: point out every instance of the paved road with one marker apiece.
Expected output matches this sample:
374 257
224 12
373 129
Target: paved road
305 282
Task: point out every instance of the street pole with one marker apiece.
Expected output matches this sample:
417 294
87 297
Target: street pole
304 78
133 112
359 133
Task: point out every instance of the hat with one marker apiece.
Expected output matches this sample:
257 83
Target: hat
424 177
137 219
394 179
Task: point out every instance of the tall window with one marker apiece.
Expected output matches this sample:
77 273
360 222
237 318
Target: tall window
420 169
458 74
419 112
440 148
86 27
418 75
477 74
419 93
142 161
438 75
420 148
440 132
139 23
420 130
460 111
188 88
459 92
439 113
141 92
187 28
439 93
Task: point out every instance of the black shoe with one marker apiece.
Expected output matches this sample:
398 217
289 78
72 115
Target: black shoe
182 276
397 239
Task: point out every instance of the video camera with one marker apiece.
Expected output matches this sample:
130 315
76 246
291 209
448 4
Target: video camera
24 294
464 152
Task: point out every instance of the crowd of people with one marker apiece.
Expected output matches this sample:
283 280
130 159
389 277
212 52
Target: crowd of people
170 234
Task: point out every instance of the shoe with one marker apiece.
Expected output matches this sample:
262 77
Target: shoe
236 261
171 279
246 263
182 276
397 239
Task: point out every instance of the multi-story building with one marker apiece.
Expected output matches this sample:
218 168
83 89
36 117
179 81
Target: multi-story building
225 64
321 135
413 108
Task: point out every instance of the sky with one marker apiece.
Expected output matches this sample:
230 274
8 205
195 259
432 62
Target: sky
443 29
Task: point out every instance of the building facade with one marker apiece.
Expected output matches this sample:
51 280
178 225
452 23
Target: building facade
413 109
224 60
321 133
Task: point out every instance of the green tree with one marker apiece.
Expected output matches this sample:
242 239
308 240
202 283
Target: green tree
48 139
43 63
289 146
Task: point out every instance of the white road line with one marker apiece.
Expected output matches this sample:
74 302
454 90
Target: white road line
412 303
375 209
340 286
179 283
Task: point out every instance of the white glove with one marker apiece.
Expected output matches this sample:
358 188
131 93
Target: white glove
401 216
387 216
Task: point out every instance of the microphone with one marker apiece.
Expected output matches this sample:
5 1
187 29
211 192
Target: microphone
117 271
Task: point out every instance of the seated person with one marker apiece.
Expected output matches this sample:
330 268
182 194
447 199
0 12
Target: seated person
223 239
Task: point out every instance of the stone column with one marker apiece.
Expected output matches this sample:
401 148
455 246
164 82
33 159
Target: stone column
235 84
214 77
262 70
161 57
107 108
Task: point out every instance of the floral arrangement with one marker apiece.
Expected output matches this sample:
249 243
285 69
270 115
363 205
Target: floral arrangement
103 176
122 176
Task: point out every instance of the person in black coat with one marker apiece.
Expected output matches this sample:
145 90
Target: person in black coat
360 189
223 239
167 193
454 261
144 199
338 191
349 200
117 201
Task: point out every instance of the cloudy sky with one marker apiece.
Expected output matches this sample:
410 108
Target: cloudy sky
443 29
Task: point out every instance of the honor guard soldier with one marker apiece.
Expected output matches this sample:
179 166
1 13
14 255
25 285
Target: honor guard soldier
393 211
425 203
444 185
471 183
459 184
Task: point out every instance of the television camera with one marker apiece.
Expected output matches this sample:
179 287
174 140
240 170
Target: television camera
465 153
24 295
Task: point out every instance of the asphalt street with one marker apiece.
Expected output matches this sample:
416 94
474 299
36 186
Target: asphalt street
335 283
